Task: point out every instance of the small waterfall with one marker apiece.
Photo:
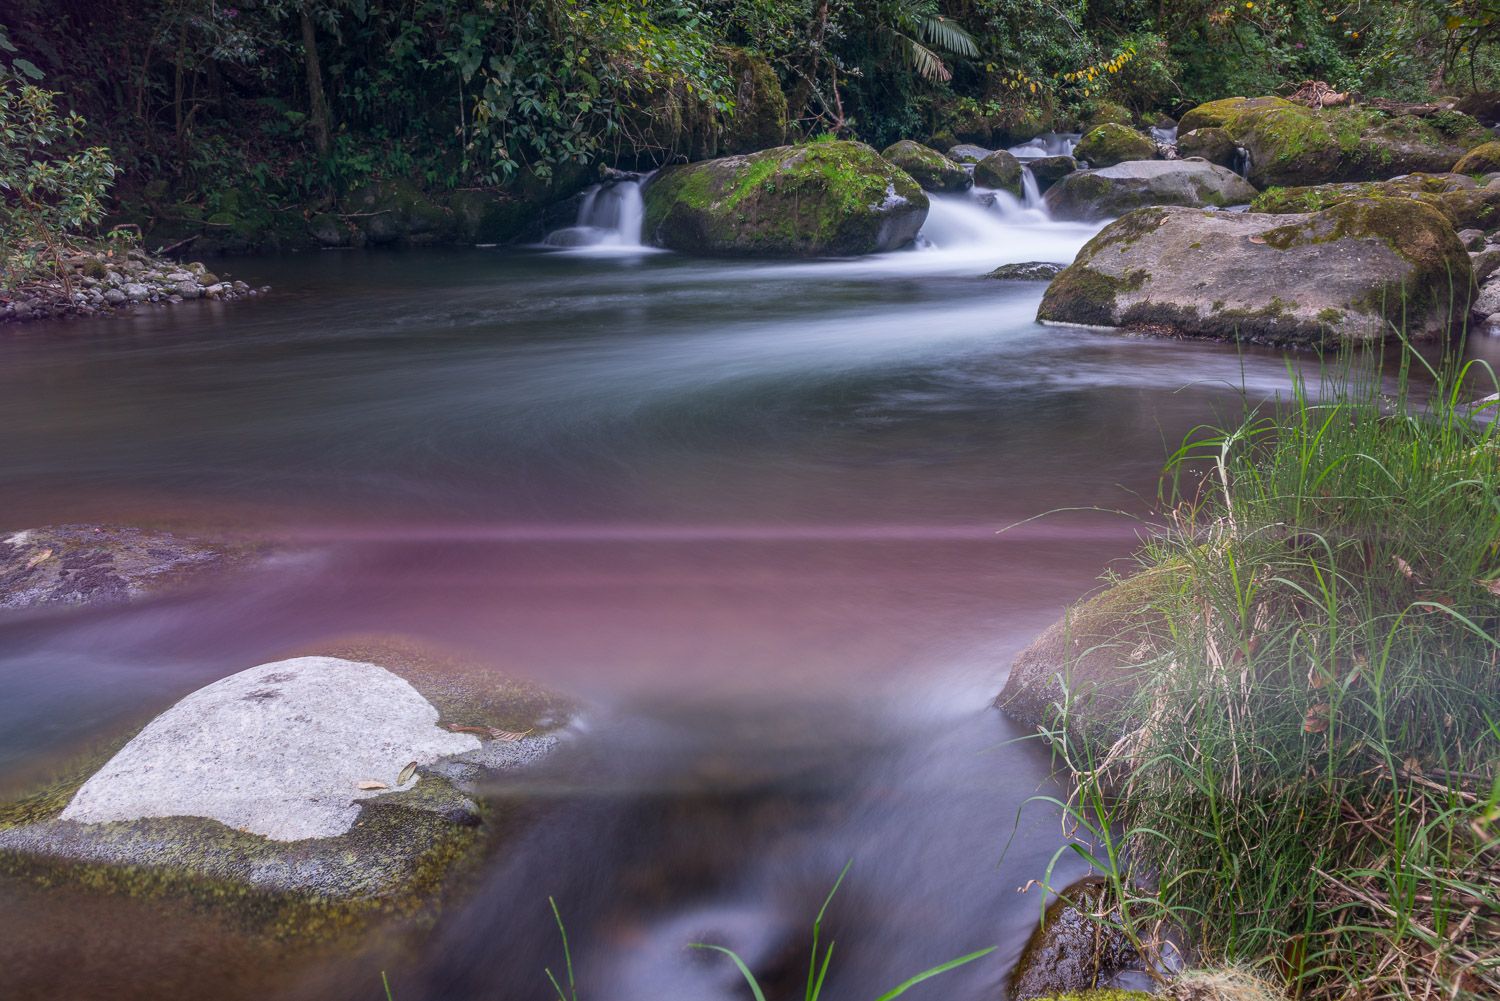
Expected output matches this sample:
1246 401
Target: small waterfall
1164 137
610 216
1047 144
1242 162
1031 193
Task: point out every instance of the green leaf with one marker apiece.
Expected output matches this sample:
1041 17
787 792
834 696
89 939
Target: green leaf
29 68
928 974
744 970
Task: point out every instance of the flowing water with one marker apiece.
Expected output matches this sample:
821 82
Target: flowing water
752 514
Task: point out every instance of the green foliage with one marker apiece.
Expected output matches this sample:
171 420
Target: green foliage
53 186
1310 774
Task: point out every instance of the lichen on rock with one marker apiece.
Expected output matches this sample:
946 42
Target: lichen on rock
1357 272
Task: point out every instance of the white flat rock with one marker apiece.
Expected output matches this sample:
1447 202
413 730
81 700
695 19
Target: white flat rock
278 750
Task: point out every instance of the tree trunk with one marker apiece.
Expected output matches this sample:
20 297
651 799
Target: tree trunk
317 103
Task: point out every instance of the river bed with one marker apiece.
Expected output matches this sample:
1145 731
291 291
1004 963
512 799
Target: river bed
761 518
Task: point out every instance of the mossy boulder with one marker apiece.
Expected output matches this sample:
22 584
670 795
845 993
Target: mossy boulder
1212 144
1351 273
929 168
1108 113
1091 657
1110 144
1048 170
759 117
312 781
1290 144
1000 171
1465 204
832 198
1113 191
1480 160
399 212
482 215
1074 955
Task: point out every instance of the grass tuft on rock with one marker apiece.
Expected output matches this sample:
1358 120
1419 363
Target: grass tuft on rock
1307 778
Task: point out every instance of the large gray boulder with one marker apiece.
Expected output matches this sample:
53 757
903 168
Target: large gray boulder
1112 191
1347 274
816 199
318 776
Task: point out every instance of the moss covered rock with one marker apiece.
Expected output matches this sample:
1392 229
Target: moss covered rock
1291 144
1108 113
1113 191
929 168
1350 273
314 780
1048 170
1110 144
1212 144
1483 159
1090 658
490 216
1000 171
1465 204
759 117
817 199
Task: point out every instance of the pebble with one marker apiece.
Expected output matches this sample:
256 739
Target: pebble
136 279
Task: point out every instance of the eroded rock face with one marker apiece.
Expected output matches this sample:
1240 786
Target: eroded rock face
819 199
1070 951
1112 191
929 168
95 564
1346 274
1290 144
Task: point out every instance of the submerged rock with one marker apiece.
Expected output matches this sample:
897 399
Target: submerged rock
1031 271
97 564
1072 950
819 199
1110 144
1290 143
1112 191
315 776
1347 274
929 168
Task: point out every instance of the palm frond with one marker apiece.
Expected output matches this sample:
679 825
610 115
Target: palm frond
946 34
928 64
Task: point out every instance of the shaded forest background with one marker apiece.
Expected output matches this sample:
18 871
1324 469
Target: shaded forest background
218 111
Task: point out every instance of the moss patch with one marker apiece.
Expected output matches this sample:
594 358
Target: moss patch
1110 144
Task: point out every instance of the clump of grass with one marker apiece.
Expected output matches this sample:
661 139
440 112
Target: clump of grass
1308 779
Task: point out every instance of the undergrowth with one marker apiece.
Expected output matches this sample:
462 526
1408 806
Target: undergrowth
1307 779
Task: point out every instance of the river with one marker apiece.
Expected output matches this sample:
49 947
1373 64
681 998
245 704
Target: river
753 515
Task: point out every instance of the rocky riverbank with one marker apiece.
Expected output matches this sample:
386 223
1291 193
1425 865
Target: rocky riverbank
91 283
